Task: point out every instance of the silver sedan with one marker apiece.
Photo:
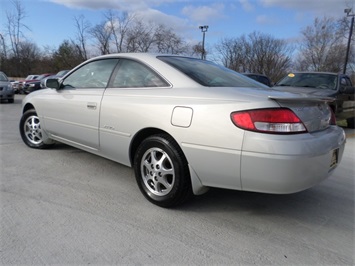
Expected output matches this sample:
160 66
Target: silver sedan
7 93
185 125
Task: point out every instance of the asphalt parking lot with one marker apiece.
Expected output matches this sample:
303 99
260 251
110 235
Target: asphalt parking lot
66 206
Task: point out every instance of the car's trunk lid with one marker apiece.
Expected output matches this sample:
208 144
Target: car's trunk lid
316 92
314 112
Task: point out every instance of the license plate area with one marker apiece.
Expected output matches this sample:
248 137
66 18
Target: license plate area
334 159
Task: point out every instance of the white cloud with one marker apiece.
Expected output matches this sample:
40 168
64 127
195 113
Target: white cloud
203 14
125 5
89 4
158 17
143 9
333 8
263 19
247 6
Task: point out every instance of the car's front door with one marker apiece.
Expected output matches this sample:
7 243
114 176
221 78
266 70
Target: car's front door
73 112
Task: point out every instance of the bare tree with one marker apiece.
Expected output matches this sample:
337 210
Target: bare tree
3 48
256 53
120 25
3 52
67 56
15 26
235 53
102 33
197 50
169 42
140 37
30 57
323 47
82 27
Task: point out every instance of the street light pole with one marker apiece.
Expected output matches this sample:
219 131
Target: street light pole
347 11
203 30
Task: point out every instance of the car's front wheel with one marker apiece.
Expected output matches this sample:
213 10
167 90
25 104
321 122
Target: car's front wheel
30 130
162 172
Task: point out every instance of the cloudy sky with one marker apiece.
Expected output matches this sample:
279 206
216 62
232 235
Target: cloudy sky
51 21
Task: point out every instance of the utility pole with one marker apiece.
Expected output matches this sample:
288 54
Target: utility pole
347 11
203 30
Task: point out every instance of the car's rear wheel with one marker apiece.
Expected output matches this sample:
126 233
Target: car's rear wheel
30 130
162 172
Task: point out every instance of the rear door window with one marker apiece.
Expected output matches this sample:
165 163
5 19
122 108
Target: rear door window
132 74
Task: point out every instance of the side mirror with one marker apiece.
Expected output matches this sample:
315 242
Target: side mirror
52 83
347 90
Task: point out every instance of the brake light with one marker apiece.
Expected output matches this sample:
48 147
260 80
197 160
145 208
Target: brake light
333 120
280 120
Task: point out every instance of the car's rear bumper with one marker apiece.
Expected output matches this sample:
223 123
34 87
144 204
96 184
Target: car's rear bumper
274 166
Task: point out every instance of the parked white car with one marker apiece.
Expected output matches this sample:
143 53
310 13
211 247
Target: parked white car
185 125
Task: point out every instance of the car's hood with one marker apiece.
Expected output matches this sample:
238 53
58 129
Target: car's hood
29 80
34 82
306 91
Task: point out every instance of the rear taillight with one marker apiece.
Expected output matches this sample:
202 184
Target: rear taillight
333 120
280 120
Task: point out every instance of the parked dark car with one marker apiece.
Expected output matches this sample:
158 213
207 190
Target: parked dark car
6 90
34 85
59 75
260 78
21 83
62 73
324 84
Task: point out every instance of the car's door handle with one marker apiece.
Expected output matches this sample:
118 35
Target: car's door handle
91 106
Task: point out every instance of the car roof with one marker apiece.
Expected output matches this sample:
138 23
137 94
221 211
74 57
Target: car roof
136 56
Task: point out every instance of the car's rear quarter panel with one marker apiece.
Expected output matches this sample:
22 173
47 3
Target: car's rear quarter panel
212 144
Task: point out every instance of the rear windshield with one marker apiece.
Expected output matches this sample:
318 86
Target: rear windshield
310 80
209 74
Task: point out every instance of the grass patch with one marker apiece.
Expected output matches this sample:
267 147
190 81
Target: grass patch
342 123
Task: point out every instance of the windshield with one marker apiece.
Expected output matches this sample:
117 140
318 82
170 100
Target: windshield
310 80
3 77
30 77
209 74
40 77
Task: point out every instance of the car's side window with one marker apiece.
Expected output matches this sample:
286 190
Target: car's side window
345 81
132 74
95 74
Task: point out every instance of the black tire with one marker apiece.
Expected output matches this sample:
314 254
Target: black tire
162 172
30 130
11 100
351 122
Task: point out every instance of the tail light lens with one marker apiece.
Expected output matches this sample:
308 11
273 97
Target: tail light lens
280 120
333 120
